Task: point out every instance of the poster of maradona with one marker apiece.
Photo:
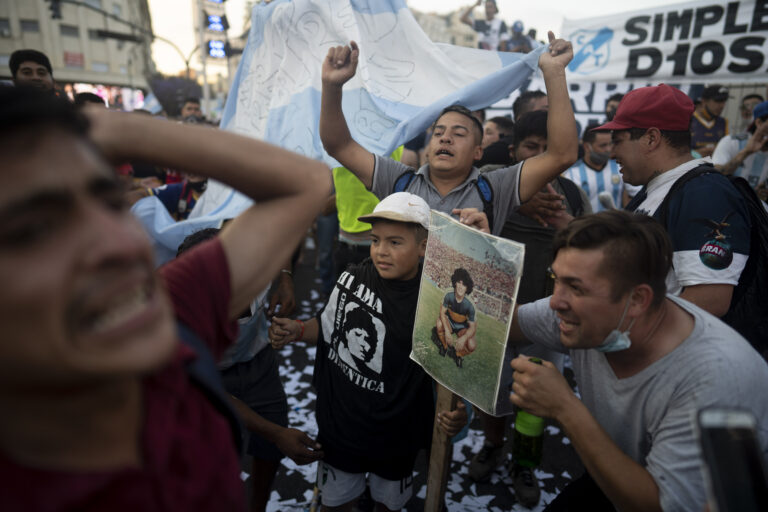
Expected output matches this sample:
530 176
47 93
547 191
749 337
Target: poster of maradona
468 290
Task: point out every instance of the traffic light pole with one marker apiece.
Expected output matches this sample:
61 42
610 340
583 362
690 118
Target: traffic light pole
203 56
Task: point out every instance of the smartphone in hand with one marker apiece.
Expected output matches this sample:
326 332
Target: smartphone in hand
734 467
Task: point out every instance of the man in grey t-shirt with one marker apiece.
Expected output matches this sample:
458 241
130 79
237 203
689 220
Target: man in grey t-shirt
448 181
644 361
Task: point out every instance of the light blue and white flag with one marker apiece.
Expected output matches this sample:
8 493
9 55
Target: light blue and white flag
167 234
402 83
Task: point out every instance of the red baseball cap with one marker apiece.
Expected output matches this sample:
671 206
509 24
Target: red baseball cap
661 106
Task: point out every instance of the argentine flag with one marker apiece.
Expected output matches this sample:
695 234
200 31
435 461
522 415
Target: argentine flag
402 83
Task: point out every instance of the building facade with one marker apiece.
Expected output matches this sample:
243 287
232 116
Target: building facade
84 46
446 28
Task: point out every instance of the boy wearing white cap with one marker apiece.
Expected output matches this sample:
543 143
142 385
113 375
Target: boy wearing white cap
374 405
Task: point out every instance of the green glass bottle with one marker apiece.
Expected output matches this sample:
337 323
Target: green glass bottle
527 436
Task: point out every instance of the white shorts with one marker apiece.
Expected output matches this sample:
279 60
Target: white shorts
338 487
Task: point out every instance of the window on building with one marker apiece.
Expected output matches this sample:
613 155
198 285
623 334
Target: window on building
30 26
5 27
117 10
94 3
69 30
4 60
74 59
93 35
101 67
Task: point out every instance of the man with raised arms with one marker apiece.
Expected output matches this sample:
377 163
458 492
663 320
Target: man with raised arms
449 181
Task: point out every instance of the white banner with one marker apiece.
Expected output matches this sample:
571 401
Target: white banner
702 41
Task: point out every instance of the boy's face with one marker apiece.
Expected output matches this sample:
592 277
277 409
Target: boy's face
395 251
460 289
80 301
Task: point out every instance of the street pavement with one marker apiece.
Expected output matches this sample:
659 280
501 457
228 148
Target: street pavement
293 489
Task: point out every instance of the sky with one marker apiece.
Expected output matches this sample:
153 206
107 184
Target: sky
172 19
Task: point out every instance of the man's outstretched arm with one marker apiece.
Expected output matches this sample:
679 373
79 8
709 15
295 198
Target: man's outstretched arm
289 189
338 67
466 16
562 136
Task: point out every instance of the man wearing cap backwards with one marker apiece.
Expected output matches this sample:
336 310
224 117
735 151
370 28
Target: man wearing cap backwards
707 220
31 68
707 127
374 405
747 156
449 180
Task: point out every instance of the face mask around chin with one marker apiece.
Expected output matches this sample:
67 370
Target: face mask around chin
599 158
617 340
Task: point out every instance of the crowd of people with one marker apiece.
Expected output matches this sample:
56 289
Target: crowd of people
113 395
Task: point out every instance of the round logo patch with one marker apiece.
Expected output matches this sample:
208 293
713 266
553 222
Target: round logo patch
615 179
716 254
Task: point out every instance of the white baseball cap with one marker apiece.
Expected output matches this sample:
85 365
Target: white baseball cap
400 207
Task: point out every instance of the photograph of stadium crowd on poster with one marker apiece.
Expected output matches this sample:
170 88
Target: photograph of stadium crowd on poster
467 295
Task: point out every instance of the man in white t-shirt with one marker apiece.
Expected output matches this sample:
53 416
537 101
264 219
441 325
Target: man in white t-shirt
645 363
746 154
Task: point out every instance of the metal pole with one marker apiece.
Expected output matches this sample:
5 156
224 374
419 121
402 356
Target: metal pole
186 60
229 64
203 55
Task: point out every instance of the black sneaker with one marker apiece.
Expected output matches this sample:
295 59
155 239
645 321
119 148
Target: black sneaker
452 355
436 341
525 484
485 461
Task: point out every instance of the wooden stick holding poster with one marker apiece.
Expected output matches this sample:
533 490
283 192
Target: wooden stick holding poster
440 454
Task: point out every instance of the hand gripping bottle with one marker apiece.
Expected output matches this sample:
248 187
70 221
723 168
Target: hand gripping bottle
527 436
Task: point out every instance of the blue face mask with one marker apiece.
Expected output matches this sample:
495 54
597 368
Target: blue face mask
617 340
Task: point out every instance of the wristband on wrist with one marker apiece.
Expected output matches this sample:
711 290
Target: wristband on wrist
286 271
301 334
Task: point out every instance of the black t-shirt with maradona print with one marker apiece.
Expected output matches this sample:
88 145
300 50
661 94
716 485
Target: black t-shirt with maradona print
375 406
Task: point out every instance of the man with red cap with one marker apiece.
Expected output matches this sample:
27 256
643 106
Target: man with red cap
706 219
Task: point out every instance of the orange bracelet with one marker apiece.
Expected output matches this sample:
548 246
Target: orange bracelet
301 334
